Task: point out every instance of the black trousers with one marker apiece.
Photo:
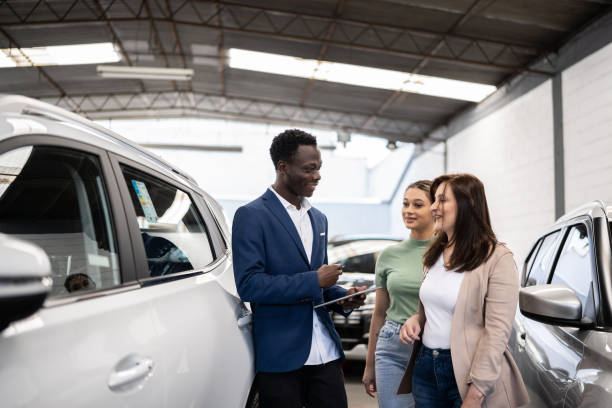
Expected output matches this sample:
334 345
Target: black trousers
319 386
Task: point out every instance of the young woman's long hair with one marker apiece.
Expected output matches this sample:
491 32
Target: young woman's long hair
474 240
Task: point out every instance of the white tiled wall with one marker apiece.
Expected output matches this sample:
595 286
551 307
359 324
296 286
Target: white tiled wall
511 151
587 113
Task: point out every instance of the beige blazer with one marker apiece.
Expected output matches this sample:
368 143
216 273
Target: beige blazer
480 329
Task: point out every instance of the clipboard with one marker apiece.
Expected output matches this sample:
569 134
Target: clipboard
363 292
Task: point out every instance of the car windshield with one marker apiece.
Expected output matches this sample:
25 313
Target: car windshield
358 256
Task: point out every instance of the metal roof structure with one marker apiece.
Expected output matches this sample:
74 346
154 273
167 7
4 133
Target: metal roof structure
484 41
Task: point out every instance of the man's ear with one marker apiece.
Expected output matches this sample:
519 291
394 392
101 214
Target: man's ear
281 168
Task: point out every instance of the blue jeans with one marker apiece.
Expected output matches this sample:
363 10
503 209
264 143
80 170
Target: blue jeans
433 380
391 361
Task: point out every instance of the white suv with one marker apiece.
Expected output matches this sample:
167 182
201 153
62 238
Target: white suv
133 301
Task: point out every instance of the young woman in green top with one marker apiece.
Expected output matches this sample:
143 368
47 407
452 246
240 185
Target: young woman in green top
399 270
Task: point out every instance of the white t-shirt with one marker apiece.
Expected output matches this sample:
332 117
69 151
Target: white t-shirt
438 294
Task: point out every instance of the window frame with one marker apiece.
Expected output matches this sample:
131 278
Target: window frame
219 241
528 264
586 221
115 207
140 257
562 231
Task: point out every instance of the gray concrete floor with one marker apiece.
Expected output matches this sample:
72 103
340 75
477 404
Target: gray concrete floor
353 371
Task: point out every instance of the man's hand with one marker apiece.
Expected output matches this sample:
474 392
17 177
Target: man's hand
410 330
328 275
355 301
473 399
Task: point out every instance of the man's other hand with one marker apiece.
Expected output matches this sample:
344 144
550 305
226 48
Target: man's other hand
328 275
355 301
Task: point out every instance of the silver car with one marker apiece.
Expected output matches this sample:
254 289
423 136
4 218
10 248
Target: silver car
357 255
116 282
562 337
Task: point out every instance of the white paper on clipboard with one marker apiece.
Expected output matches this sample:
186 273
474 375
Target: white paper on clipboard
363 292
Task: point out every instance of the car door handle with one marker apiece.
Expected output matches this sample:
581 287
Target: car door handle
130 373
245 320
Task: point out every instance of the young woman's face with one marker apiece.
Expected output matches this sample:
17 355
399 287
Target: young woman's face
415 210
444 210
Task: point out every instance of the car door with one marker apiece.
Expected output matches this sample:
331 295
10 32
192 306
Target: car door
594 375
204 335
93 342
551 354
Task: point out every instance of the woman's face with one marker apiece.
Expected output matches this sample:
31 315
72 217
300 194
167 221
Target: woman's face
415 210
444 210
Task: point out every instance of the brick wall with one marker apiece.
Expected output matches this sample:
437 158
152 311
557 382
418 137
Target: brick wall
587 114
511 151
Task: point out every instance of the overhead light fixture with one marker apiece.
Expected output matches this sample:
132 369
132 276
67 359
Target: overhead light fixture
358 75
93 53
344 136
172 74
391 145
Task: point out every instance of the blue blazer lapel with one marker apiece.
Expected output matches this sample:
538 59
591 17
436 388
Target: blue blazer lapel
276 208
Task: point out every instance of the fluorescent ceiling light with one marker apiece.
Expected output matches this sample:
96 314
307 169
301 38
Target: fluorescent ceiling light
173 74
95 53
358 75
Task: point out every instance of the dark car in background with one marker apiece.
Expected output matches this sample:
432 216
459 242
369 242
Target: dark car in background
562 337
357 255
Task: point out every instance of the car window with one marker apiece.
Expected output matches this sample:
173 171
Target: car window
574 267
56 198
365 263
174 236
540 270
533 256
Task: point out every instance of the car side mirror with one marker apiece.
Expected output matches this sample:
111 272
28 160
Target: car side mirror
551 304
25 279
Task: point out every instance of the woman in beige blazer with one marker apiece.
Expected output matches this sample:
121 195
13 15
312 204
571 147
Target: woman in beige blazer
467 304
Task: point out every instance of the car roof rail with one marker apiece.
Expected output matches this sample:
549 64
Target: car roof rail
590 208
28 106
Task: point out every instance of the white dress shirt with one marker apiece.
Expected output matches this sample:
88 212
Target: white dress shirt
322 348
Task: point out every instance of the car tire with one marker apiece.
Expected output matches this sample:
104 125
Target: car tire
253 399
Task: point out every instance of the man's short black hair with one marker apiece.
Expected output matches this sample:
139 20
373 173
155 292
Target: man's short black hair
286 144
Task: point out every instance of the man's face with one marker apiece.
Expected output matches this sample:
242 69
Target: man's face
301 175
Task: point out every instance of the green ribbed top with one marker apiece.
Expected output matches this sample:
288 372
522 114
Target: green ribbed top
399 269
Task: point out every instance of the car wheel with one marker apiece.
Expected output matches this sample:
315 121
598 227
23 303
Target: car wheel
253 399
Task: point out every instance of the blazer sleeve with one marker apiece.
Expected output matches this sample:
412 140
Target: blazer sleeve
252 281
500 306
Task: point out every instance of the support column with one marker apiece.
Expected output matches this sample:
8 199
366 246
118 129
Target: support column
557 99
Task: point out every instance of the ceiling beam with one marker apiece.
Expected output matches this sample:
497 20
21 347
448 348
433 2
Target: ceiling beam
399 34
188 104
322 51
157 38
12 43
177 41
220 50
363 23
472 9
299 38
117 41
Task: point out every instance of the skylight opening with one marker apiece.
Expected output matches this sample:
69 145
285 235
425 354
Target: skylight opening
358 75
95 53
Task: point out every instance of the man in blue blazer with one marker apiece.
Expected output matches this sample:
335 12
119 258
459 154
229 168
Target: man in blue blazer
279 246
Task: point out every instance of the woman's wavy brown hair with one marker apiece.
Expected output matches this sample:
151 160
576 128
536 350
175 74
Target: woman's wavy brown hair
474 238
